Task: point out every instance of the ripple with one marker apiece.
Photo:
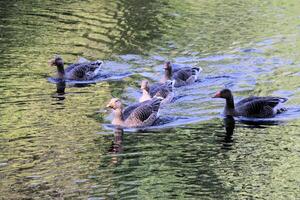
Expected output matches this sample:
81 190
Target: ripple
161 124
102 77
53 147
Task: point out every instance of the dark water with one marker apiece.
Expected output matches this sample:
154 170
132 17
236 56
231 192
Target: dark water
57 146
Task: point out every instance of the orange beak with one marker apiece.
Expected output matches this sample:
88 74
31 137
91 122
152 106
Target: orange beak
217 95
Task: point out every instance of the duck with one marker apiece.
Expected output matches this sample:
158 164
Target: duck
163 90
138 115
82 71
253 106
182 76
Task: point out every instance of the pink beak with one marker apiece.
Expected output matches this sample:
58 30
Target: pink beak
217 95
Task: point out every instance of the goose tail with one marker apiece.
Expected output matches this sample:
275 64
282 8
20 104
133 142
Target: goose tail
196 71
170 84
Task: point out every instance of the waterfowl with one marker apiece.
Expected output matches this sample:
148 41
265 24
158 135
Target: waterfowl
182 76
81 71
135 116
257 107
163 90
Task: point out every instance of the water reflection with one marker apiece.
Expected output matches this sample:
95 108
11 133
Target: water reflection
60 90
116 146
235 44
60 87
229 124
139 23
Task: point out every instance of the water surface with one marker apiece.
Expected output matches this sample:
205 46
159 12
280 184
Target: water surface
52 139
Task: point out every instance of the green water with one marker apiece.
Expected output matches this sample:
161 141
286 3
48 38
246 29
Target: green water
54 146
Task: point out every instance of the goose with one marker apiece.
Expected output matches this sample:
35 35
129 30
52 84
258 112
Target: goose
252 107
82 71
138 115
182 76
163 90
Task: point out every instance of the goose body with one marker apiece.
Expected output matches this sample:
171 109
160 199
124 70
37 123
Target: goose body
253 107
81 71
163 90
135 116
182 76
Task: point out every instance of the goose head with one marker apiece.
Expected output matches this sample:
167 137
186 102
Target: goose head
56 61
114 104
225 94
145 85
168 66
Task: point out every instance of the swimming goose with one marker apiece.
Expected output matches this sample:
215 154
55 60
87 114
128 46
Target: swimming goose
135 116
182 76
81 71
164 90
258 107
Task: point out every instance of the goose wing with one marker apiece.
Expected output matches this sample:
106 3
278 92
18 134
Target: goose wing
140 114
83 70
129 109
154 88
271 100
246 100
183 74
145 114
72 66
259 106
162 89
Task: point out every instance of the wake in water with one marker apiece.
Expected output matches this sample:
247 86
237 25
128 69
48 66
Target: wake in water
162 123
96 79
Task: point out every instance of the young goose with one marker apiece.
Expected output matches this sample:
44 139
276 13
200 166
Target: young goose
182 76
78 71
164 90
135 116
258 107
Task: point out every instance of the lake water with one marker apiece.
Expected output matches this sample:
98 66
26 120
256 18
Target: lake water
57 145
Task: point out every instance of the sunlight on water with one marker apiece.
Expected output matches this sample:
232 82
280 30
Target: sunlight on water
56 140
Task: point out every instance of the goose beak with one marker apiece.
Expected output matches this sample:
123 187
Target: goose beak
51 62
217 95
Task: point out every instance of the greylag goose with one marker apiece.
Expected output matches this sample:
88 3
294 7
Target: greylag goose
257 107
182 76
81 71
135 116
163 90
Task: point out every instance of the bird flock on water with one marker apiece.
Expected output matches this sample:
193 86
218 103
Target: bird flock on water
144 113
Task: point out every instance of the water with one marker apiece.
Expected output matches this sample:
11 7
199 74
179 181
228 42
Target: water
55 145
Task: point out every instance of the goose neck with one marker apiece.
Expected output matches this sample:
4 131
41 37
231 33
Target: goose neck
145 95
168 73
118 117
229 107
60 71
